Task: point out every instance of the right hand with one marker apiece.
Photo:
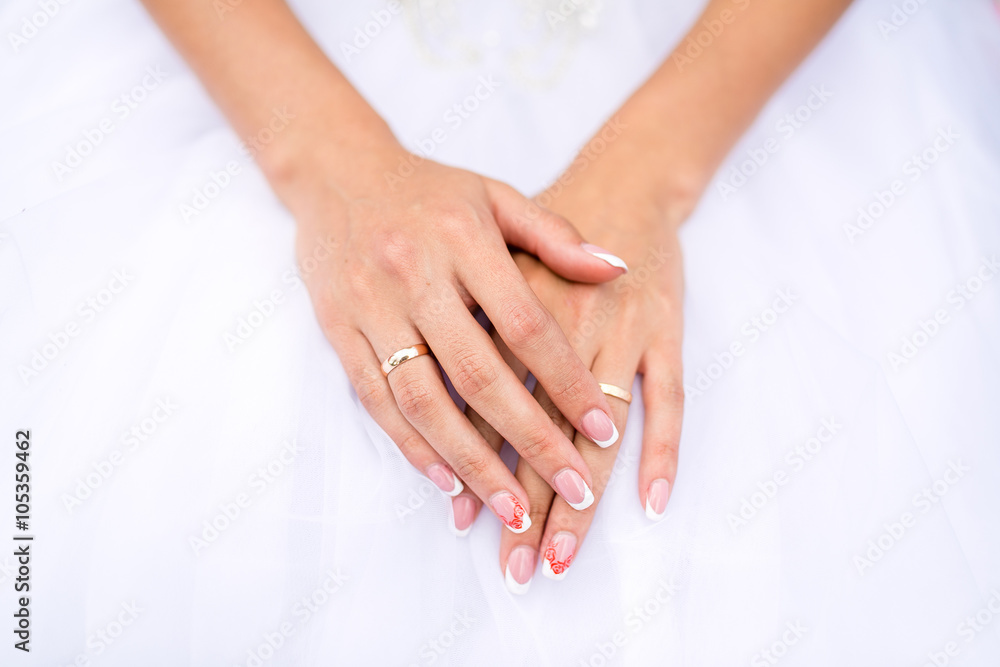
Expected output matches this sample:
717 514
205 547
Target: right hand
408 263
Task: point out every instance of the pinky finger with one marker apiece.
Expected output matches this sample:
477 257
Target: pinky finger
663 396
364 371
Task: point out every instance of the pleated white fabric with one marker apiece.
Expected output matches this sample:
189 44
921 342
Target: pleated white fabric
207 489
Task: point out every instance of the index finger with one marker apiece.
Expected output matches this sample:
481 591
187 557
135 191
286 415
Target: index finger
536 339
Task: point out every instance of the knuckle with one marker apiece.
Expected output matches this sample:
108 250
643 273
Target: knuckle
395 254
471 465
525 323
535 443
571 390
474 374
415 399
372 391
409 444
672 395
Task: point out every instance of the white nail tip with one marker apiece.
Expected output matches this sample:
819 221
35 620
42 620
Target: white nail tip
547 571
457 532
525 525
588 500
457 489
610 441
513 586
613 260
651 514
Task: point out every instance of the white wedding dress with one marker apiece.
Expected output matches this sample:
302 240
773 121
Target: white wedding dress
207 490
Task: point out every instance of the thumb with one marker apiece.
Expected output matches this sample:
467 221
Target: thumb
550 237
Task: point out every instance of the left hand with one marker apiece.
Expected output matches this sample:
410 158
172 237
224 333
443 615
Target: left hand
632 325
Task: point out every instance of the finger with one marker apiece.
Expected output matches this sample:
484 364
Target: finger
535 338
373 391
663 398
424 401
519 556
551 237
565 529
479 374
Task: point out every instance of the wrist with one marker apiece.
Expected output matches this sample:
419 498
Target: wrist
350 160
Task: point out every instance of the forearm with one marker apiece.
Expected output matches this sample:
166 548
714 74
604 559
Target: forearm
258 61
683 121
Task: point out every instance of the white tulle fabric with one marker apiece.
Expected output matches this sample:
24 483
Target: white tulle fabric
328 549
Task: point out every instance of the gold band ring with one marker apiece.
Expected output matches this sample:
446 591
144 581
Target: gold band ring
405 354
617 392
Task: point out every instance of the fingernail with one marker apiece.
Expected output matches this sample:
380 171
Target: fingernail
597 426
463 511
445 479
656 499
573 489
511 511
558 555
598 251
520 569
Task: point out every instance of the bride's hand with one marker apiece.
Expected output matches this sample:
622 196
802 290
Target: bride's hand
621 328
410 257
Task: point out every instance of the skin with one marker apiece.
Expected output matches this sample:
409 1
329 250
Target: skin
632 198
425 248
328 168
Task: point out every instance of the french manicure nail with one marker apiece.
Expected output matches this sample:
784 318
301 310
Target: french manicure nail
573 489
656 499
511 511
558 555
598 251
520 569
445 479
599 427
463 511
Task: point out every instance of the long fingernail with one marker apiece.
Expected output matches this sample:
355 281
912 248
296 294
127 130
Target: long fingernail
520 569
445 479
598 251
573 489
599 427
558 555
463 511
656 499
511 511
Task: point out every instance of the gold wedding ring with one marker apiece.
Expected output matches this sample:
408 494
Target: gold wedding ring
617 392
405 354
